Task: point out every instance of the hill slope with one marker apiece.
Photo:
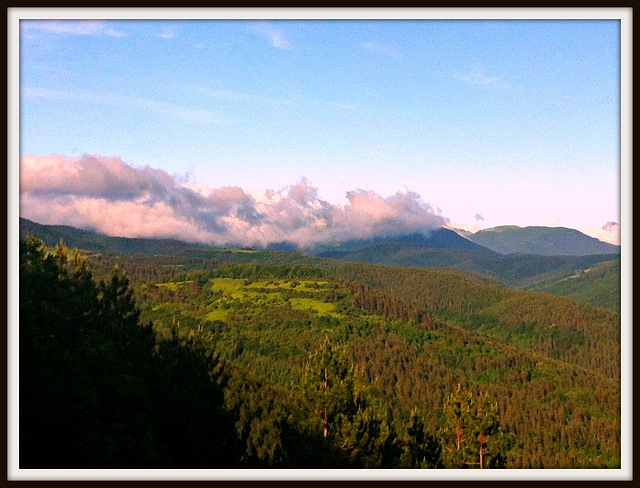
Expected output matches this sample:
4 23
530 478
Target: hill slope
515 270
438 239
546 241
598 285
89 240
551 365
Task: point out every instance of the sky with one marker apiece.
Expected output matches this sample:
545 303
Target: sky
252 132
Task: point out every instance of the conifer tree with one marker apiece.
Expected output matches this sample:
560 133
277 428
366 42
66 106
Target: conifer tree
472 436
420 450
328 386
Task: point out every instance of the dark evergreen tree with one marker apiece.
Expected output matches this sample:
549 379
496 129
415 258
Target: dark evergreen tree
94 391
420 449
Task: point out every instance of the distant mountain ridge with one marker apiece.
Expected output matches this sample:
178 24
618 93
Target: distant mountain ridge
90 240
544 241
440 238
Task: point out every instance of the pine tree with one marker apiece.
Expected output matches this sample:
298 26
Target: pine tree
472 436
328 386
367 439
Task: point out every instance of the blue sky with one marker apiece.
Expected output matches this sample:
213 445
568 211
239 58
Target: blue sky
489 122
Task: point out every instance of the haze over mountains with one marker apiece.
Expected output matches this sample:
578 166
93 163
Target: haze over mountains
544 241
441 238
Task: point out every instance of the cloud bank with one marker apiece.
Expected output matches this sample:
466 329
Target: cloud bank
114 198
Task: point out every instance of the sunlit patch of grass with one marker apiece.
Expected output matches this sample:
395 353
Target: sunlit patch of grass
304 285
217 314
310 304
229 286
264 284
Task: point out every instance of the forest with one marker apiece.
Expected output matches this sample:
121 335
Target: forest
135 360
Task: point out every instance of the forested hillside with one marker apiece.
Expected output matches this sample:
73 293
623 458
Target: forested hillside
514 270
186 361
598 285
530 272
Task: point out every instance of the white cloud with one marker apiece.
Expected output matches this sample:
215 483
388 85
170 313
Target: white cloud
275 36
95 28
112 197
611 233
344 106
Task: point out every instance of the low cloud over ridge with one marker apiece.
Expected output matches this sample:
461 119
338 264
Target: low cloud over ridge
115 198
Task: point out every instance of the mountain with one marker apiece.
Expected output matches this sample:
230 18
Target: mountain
462 232
192 253
92 241
514 270
545 241
437 239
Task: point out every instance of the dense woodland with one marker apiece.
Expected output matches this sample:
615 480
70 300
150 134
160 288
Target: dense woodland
183 361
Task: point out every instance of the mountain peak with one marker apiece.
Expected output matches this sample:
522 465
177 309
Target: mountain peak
545 241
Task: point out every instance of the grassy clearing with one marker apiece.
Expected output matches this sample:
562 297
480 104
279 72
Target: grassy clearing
265 284
229 286
236 286
217 314
304 285
310 304
236 289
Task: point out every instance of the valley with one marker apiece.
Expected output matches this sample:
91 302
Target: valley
406 345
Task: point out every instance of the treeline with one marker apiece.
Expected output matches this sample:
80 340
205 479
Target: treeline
258 271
